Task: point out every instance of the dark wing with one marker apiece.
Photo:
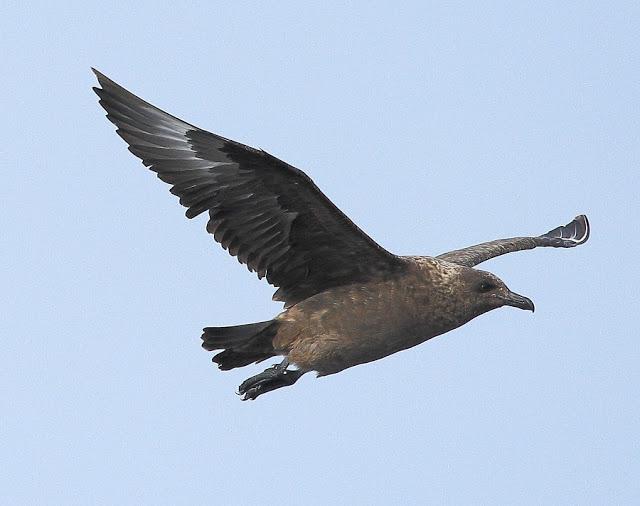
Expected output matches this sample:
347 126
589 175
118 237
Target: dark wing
268 214
568 236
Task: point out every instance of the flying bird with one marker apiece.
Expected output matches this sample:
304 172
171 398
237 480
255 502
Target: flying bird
347 300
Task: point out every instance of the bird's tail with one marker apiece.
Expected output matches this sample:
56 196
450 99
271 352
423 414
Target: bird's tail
241 344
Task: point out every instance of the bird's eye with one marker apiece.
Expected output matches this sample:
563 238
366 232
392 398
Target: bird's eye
486 286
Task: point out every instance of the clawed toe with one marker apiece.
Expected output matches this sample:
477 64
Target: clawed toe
272 378
254 386
251 393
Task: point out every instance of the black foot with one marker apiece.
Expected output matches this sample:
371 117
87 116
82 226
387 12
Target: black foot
276 376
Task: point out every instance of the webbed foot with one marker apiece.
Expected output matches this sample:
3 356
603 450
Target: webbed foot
276 376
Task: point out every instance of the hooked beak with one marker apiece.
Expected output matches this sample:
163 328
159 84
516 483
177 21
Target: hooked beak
519 301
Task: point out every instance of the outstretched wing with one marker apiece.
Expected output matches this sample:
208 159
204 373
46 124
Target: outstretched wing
268 214
572 234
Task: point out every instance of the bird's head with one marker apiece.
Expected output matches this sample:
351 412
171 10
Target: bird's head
486 291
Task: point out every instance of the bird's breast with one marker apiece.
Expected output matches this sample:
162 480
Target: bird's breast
351 325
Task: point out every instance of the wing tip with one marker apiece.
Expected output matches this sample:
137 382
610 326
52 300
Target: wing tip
583 225
102 79
110 87
99 90
574 233
105 86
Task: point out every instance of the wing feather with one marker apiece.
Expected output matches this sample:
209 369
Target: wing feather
268 214
572 234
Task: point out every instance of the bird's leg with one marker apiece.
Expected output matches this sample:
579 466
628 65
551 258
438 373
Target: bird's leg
276 376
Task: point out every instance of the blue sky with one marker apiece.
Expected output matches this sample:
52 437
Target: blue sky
433 127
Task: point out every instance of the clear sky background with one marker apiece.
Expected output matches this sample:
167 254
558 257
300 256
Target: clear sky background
433 127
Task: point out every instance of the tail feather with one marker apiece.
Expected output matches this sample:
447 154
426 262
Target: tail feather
230 359
219 338
241 344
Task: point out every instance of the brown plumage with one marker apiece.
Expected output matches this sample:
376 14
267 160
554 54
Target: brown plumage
347 300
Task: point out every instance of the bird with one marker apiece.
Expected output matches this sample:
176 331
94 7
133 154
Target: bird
347 300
